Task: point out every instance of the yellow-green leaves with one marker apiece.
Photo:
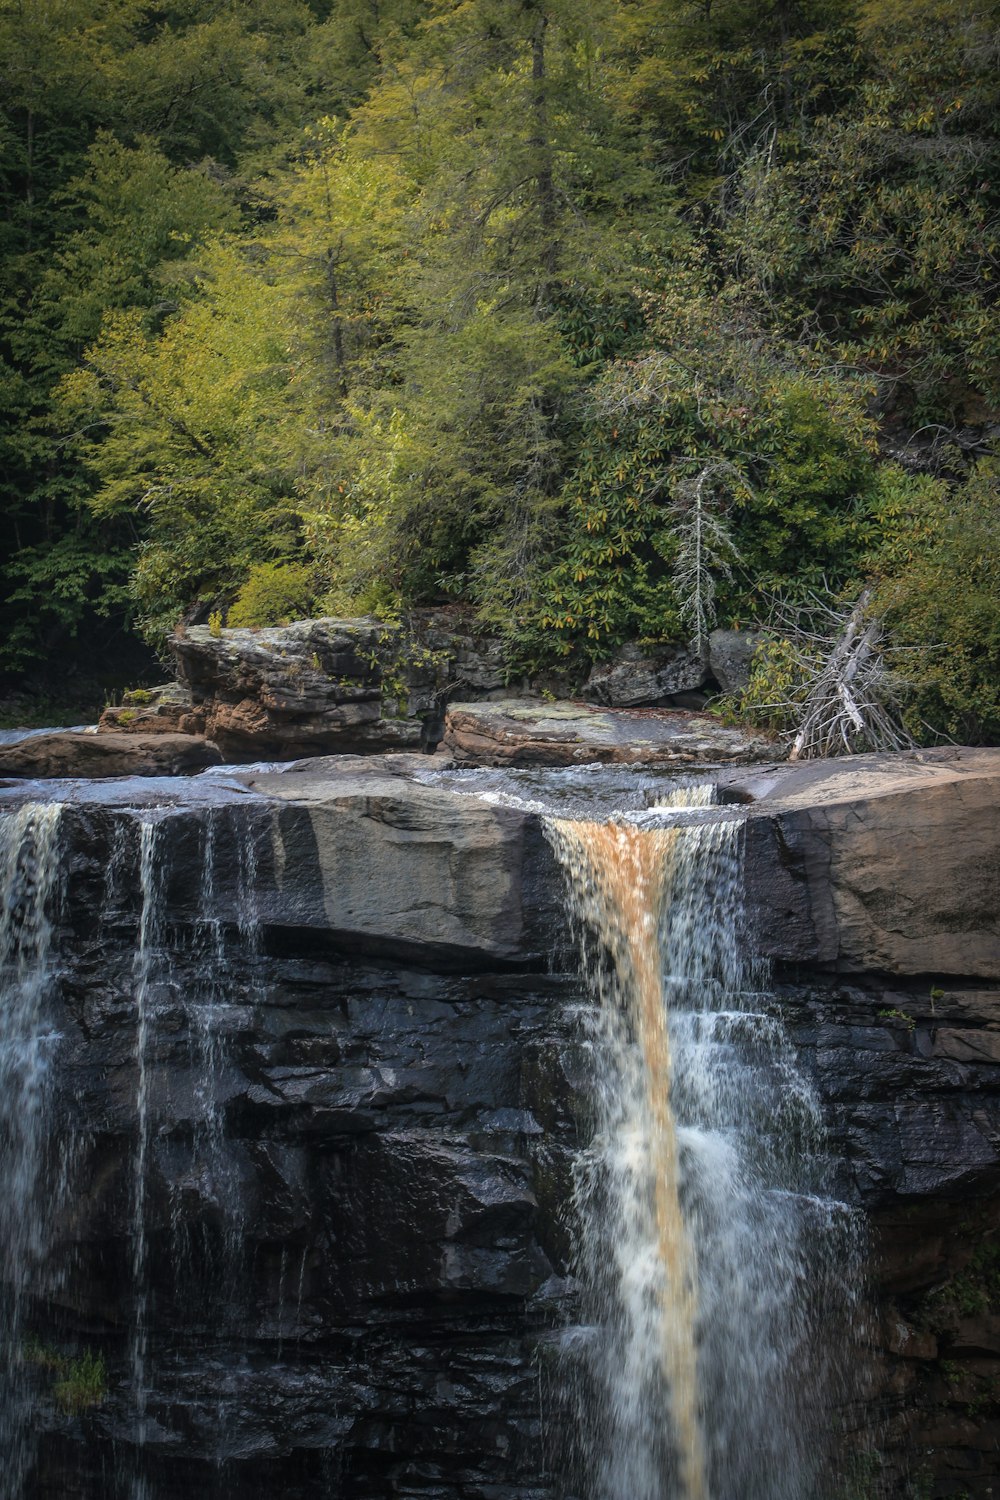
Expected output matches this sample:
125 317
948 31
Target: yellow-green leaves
184 430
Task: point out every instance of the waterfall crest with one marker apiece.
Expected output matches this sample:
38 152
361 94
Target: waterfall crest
706 1253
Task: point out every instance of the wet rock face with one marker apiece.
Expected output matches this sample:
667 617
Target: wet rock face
360 1308
413 869
364 1093
355 1166
909 1075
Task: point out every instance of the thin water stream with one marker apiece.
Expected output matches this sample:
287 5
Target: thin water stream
184 994
30 873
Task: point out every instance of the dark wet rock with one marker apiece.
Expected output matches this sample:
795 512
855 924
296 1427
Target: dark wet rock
730 657
364 1107
69 754
915 1138
634 677
526 732
353 1280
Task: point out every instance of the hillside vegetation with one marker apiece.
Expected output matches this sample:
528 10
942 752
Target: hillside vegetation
614 321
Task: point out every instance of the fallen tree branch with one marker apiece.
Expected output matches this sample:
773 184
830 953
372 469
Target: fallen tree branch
843 696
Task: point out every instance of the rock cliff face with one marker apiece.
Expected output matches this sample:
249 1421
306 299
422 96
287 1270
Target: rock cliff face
321 1015
320 686
360 686
330 1010
879 897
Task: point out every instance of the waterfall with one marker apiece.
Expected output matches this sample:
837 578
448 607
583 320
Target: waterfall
147 942
708 1258
192 972
29 871
204 1258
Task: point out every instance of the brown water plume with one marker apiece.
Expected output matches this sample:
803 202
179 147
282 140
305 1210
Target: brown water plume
621 875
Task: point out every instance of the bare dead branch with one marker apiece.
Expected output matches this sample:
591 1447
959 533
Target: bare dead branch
847 696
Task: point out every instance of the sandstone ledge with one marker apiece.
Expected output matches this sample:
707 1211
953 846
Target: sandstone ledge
68 754
316 687
883 863
520 732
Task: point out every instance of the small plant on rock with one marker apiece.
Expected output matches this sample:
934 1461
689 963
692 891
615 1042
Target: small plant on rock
82 1384
76 1383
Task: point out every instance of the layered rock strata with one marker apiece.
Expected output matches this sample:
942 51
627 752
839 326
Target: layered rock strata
358 686
364 1092
518 732
330 685
67 753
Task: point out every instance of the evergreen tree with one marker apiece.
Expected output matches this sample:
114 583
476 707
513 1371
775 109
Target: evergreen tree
530 224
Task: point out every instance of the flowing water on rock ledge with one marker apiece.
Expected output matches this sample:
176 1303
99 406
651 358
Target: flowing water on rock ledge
146 953
205 1226
191 976
30 884
708 1260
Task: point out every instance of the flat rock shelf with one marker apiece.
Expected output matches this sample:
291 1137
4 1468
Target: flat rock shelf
525 732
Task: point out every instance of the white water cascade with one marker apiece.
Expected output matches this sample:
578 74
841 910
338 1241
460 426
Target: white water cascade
192 975
204 1272
717 1281
30 876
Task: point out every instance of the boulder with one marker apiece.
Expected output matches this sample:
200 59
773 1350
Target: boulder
884 863
294 690
525 732
633 678
353 686
362 686
159 710
730 657
68 754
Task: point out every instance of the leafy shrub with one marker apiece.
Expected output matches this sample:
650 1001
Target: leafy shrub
274 593
939 590
783 452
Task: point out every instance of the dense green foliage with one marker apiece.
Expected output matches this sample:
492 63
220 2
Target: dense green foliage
614 321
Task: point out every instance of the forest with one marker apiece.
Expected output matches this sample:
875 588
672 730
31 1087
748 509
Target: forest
611 322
